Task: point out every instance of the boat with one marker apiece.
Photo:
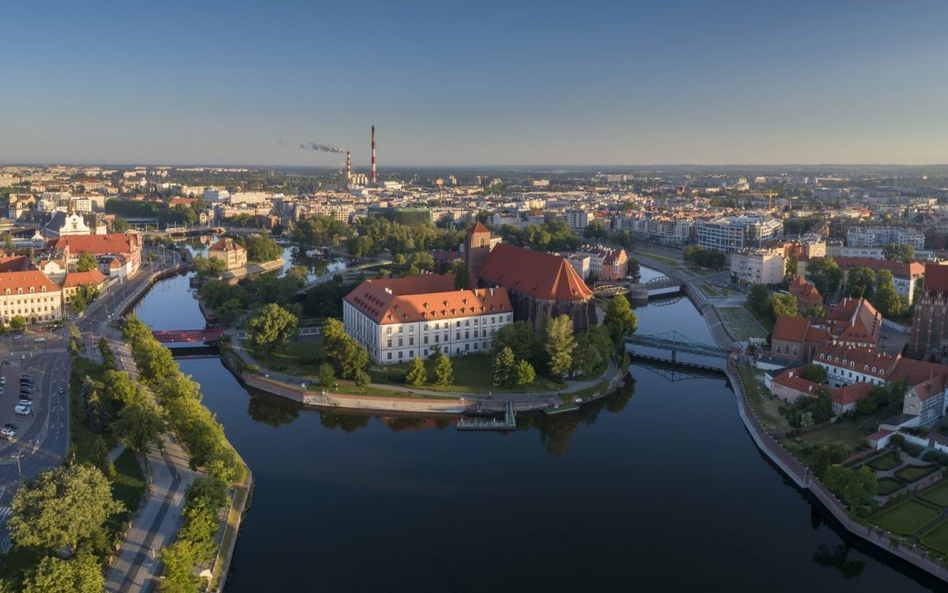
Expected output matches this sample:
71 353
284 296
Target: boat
314 253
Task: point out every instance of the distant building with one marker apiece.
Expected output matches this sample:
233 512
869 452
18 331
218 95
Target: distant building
577 220
877 236
758 266
609 265
729 234
228 251
806 294
905 276
73 280
119 254
398 319
404 216
580 263
930 320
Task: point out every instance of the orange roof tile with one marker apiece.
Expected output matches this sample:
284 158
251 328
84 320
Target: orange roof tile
540 275
31 278
73 279
98 244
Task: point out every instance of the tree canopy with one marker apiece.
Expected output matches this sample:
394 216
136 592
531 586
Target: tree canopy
271 328
825 274
559 344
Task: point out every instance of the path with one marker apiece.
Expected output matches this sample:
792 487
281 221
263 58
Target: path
136 567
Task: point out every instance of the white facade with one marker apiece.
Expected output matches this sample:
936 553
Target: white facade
882 236
759 266
582 264
729 234
394 343
577 220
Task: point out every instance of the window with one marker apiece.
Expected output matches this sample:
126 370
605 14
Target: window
399 342
508 317
411 341
390 356
400 329
457 324
401 355
388 330
389 343
458 336
467 335
411 354
426 328
426 339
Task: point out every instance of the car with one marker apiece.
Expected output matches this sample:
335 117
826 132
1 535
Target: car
18 337
23 410
39 339
3 380
23 357
62 390
25 402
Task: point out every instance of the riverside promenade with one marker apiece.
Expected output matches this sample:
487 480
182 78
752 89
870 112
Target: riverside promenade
802 477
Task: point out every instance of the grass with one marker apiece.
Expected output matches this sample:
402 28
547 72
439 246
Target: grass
766 409
128 487
741 323
241 494
914 473
848 433
936 495
890 460
298 358
906 518
936 538
471 375
889 485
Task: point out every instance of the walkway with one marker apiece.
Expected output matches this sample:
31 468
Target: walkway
135 566
293 380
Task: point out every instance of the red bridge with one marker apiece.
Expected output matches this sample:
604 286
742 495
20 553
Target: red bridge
173 336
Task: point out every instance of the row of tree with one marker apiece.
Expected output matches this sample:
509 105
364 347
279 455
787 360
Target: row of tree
712 259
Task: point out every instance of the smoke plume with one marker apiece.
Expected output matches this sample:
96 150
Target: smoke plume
321 147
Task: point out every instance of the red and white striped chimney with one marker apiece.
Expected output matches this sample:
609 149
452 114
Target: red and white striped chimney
348 166
373 155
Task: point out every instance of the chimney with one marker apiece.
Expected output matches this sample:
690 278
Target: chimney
348 166
373 156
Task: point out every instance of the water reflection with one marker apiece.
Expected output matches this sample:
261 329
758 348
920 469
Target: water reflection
838 557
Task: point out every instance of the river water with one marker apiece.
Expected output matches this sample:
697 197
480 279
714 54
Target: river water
658 488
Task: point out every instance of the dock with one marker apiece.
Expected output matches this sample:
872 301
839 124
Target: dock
508 423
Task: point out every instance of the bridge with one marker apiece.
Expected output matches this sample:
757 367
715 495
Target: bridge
675 372
178 336
674 342
660 286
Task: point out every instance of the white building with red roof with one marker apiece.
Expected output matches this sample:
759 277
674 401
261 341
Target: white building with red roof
398 319
31 295
119 254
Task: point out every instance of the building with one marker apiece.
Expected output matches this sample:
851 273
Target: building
929 335
580 263
119 254
540 285
797 338
404 216
758 266
478 244
609 265
577 220
62 224
30 295
228 251
729 234
851 323
398 319
73 280
876 236
905 276
788 386
806 294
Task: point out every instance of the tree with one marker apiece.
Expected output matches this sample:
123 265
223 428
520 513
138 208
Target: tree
81 574
784 305
271 328
790 269
503 367
61 506
595 230
559 344
758 301
814 372
416 375
298 274
327 378
895 391
83 297
444 370
825 274
860 283
524 374
179 559
520 337
18 323
140 425
902 253
886 299
849 485
620 319
87 262
823 456
348 358
120 225
209 267
462 277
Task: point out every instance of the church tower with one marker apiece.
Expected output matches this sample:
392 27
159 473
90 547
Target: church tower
476 246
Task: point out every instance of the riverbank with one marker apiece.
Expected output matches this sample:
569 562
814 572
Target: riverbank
802 477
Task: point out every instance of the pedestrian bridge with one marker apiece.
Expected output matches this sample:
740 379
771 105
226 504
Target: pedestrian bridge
178 336
674 342
660 286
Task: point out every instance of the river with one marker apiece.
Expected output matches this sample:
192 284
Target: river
658 488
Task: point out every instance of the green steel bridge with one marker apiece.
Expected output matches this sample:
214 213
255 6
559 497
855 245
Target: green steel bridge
674 342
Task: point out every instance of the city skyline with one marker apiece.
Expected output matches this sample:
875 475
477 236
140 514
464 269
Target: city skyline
492 85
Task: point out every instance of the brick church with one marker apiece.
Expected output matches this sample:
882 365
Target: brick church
540 285
929 336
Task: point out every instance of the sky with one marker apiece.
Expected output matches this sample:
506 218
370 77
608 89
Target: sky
475 83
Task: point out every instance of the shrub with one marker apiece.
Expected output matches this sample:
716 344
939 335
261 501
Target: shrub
936 456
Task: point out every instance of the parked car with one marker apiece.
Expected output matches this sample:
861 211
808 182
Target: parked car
25 402
39 339
3 380
23 410
7 432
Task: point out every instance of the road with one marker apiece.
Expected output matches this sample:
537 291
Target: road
45 443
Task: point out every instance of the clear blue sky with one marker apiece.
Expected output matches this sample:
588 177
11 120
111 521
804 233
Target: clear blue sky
474 83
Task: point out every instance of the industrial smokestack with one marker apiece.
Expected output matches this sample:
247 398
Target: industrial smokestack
374 179
348 166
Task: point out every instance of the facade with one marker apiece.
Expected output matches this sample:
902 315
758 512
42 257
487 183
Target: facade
228 251
845 365
74 280
789 386
398 319
577 220
758 266
540 286
806 294
875 236
580 263
609 265
905 276
797 338
404 216
119 254
729 234
929 335
31 295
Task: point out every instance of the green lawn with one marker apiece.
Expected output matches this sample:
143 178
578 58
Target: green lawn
471 374
937 494
914 473
766 408
890 460
848 433
127 488
905 518
936 538
889 485
741 322
300 358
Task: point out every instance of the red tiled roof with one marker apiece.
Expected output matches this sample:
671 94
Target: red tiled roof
15 263
225 244
805 291
936 278
791 329
25 280
98 244
540 275
73 279
478 228
916 371
851 393
428 297
861 360
899 269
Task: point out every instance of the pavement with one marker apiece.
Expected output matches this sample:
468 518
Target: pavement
136 567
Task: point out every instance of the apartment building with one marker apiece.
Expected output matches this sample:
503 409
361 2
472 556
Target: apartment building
733 233
758 266
31 295
878 236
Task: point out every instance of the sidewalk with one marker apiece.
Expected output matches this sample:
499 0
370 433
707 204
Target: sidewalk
135 566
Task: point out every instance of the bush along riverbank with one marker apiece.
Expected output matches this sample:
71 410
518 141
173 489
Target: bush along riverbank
203 537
